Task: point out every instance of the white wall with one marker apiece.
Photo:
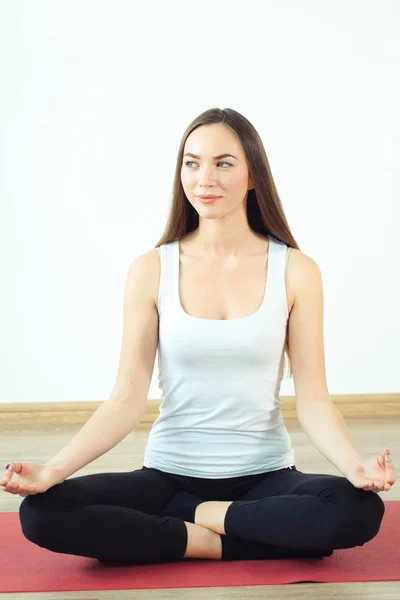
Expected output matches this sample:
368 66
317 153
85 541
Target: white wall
95 98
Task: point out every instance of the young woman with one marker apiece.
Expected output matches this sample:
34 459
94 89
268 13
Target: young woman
224 295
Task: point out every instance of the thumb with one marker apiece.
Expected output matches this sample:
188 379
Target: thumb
380 461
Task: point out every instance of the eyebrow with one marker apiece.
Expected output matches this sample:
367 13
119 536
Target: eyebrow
219 155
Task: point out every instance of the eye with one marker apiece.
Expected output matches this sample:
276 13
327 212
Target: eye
218 163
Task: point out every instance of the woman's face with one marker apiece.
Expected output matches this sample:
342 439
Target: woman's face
227 176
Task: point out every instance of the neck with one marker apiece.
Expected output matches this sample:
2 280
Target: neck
225 246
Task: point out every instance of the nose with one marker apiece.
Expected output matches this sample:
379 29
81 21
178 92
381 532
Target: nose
206 175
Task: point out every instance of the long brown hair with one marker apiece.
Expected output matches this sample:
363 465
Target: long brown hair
265 213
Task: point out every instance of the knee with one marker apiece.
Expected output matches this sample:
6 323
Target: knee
359 514
362 517
372 509
34 519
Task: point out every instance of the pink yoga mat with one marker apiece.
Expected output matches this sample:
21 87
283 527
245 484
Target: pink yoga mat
26 567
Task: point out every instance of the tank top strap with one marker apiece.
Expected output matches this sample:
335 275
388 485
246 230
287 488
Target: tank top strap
168 272
279 254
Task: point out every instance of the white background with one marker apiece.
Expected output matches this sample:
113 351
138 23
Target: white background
95 96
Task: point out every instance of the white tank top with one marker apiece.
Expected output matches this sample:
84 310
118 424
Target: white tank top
220 380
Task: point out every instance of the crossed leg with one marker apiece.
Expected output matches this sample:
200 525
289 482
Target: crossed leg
298 510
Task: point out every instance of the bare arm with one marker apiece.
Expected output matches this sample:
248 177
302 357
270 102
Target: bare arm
116 417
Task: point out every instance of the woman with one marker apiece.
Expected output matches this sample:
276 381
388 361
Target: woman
225 293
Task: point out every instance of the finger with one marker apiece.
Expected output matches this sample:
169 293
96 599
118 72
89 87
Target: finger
12 486
388 461
390 484
381 462
389 468
374 486
8 488
11 491
374 489
381 486
382 457
366 485
10 482
6 477
11 468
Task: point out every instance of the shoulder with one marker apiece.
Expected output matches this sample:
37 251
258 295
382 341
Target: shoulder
302 272
146 263
148 266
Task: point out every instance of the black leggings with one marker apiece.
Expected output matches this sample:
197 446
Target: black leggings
277 514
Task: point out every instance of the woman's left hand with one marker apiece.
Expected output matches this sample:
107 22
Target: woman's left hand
374 474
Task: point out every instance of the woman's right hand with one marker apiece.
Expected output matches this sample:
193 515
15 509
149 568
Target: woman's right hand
28 478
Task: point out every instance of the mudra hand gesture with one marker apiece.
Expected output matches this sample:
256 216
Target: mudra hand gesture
375 474
25 478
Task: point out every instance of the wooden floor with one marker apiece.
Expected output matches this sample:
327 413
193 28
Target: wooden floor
371 436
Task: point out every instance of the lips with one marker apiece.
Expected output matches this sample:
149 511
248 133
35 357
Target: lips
208 197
